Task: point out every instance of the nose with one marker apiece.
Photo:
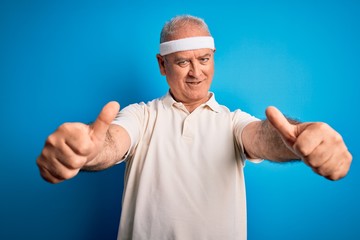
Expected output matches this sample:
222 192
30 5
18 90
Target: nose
195 71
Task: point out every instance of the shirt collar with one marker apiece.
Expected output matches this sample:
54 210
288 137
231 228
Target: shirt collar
169 101
213 104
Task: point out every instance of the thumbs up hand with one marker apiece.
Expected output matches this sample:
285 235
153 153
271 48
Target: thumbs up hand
316 143
73 145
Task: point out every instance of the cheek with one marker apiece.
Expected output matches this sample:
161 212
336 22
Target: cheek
174 80
209 71
177 75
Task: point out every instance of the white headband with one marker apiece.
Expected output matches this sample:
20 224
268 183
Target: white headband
185 44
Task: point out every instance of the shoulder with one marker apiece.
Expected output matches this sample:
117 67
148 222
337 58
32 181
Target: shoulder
144 105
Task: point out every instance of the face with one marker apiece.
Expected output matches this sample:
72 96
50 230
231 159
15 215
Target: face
189 73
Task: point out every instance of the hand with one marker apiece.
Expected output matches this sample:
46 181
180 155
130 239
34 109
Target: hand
316 143
73 145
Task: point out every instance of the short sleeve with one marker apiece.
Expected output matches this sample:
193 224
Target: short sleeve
131 118
240 121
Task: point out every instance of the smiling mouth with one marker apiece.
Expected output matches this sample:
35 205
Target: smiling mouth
194 83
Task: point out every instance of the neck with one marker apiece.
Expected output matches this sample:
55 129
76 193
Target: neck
191 106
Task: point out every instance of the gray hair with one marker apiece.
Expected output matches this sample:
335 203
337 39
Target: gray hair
177 22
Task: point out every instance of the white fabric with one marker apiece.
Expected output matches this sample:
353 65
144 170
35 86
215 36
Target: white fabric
184 172
186 44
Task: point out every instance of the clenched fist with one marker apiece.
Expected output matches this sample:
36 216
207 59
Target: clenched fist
74 145
317 144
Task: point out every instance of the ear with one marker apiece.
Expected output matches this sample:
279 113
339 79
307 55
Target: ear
161 63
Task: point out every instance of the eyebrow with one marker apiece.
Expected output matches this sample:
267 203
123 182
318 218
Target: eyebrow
205 55
178 59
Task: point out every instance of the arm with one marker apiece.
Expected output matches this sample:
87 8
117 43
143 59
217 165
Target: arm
316 144
77 146
261 140
117 143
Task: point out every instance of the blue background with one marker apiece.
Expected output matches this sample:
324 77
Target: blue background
63 60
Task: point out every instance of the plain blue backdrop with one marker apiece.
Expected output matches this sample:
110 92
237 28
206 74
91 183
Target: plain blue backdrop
63 60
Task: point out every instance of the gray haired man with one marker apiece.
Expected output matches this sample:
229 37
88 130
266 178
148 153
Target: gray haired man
185 152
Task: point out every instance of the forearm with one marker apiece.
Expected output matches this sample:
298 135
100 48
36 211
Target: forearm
116 145
280 139
261 140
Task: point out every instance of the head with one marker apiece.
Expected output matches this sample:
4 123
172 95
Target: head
189 73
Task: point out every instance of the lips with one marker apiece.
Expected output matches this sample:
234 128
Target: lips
194 83
197 82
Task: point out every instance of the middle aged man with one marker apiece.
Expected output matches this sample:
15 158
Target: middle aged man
184 152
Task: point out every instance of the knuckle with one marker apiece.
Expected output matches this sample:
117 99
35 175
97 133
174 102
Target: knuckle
45 151
346 167
69 174
315 164
52 179
333 177
323 126
44 158
349 158
39 160
76 162
47 155
337 138
51 140
48 176
69 129
302 149
336 176
65 127
58 174
321 171
83 149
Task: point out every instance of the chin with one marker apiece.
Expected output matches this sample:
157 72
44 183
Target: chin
200 96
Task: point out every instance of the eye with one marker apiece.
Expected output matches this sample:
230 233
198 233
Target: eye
204 60
183 63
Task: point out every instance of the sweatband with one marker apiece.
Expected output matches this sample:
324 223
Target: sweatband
186 44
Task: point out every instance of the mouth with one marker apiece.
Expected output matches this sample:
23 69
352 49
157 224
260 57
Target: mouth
194 83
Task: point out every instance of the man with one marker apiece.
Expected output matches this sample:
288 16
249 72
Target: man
184 152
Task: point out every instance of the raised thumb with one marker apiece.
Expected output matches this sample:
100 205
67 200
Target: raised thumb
281 124
104 119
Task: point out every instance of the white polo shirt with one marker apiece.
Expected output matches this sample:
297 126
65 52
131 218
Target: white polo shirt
184 172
